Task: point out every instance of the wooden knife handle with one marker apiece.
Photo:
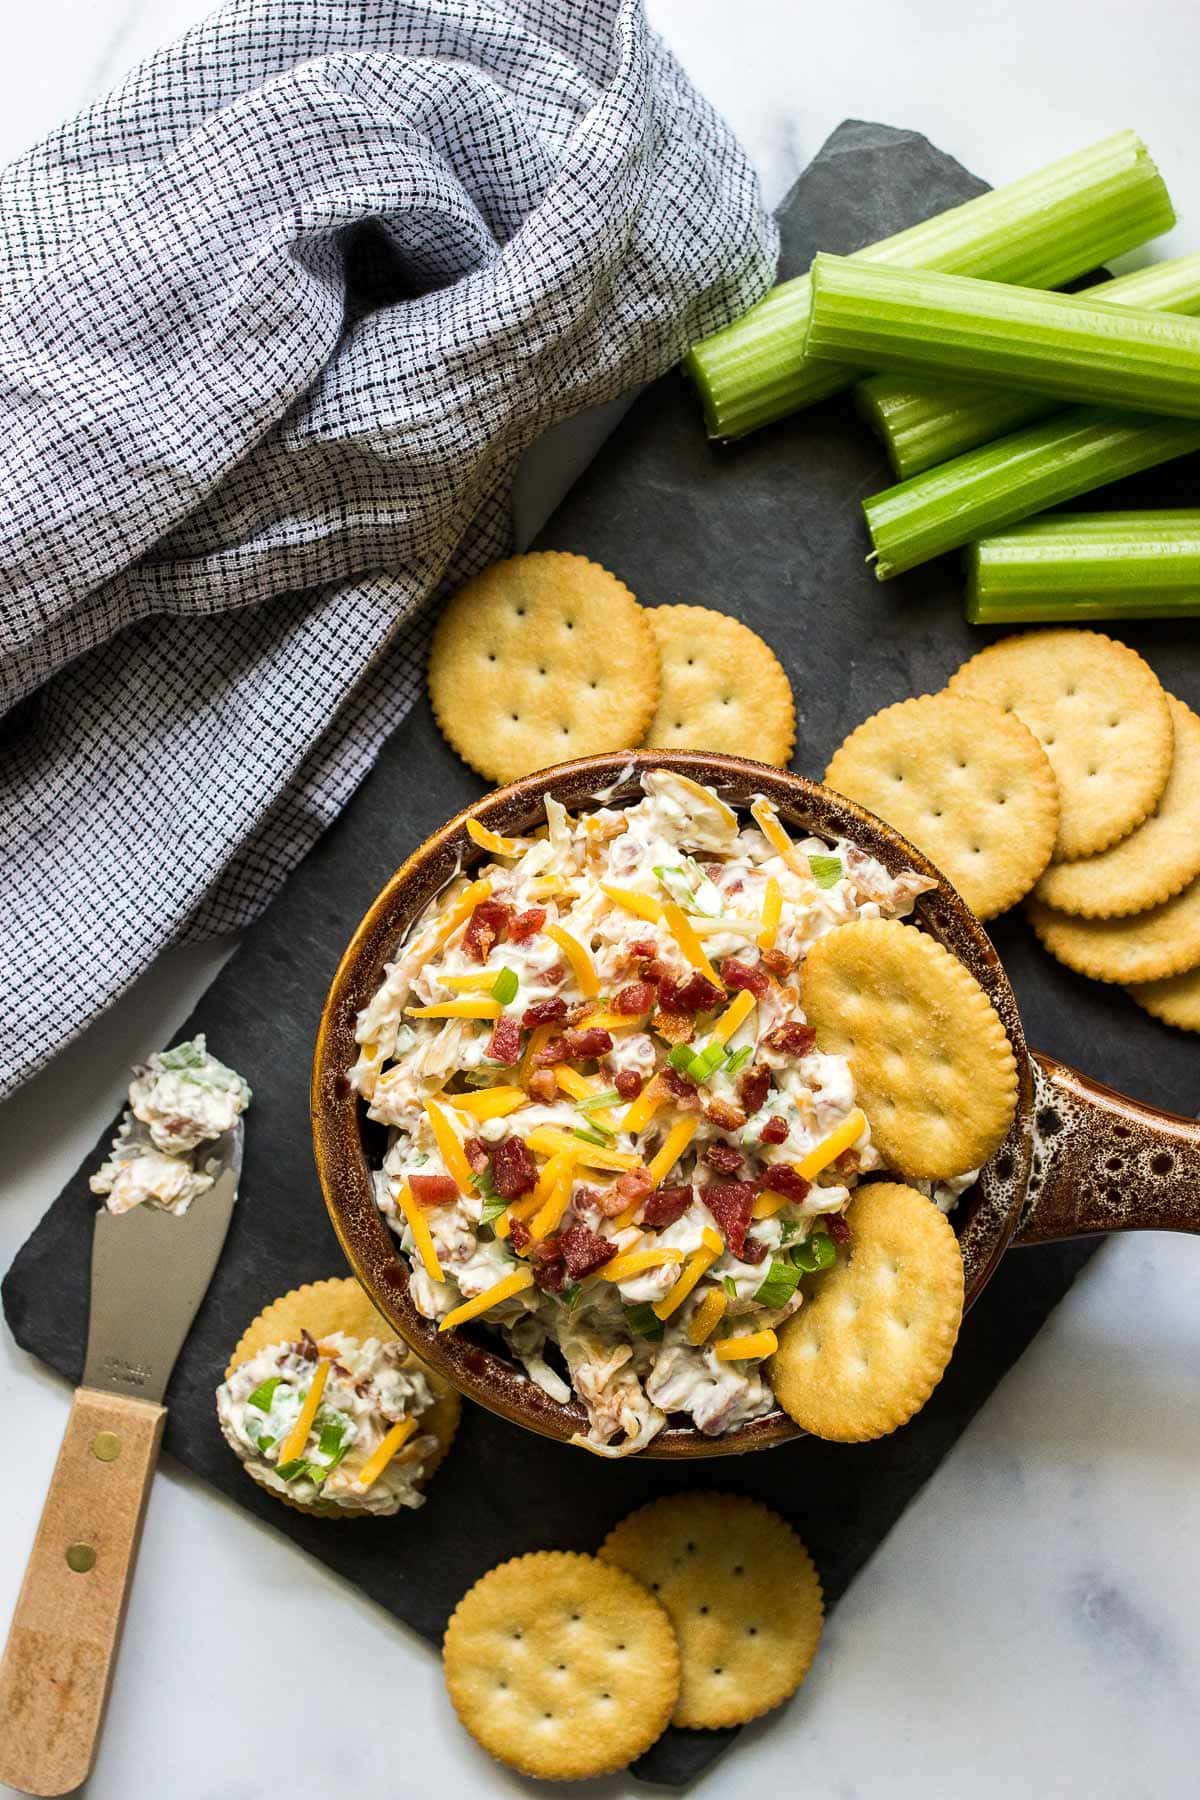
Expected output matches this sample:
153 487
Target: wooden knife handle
62 1645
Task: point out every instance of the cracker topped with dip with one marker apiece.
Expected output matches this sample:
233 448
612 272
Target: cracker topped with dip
616 1139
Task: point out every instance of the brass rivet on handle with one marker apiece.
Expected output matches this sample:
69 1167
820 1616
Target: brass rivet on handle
106 1446
81 1558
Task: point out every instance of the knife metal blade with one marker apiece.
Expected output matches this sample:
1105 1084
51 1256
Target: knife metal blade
150 1271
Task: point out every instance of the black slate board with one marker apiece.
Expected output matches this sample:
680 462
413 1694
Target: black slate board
769 530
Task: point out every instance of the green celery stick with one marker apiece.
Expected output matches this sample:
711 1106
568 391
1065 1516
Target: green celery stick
1117 565
1066 345
1001 483
1043 230
923 421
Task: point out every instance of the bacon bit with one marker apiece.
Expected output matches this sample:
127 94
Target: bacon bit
781 1178
606 1200
837 1227
643 949
726 1159
730 1203
485 927
725 1114
638 997
753 1088
519 1235
657 971
793 1039
584 1251
737 974
308 1347
753 1250
775 1131
504 1045
696 994
574 1046
682 1091
666 1205
526 923
674 1027
848 1163
556 974
628 1083
476 1150
549 1269
514 1171
544 1012
581 1011
776 963
634 1186
543 1086
433 1190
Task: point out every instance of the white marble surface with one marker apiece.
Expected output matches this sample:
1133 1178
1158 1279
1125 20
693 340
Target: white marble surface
1032 1626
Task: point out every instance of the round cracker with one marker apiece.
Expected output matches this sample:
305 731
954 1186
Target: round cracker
1098 711
561 1666
340 1304
1154 862
742 1594
966 783
1176 1001
933 1068
722 687
1145 946
876 1331
541 658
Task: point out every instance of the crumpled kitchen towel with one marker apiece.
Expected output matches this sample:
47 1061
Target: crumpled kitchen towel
277 318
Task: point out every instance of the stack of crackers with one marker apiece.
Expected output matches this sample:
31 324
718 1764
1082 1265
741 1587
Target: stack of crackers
1055 769
547 656
702 1610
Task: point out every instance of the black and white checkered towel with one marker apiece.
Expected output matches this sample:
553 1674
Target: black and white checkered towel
277 318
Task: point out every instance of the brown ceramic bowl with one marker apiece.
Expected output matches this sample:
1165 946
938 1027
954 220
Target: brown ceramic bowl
1077 1159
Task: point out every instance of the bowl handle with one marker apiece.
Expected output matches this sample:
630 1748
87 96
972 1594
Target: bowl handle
1103 1162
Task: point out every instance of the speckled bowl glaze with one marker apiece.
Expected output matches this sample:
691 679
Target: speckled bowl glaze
1077 1157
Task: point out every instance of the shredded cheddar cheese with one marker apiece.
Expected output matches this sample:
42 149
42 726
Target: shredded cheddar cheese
473 895
581 963
707 1316
767 820
456 1009
642 1110
489 1103
642 906
697 1264
676 922
747 1349
635 1262
382 1455
453 1154
831 1147
546 1140
672 1148
772 910
733 1017
516 1283
422 1236
492 842
293 1444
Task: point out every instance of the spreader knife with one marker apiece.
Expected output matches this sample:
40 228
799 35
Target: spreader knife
150 1270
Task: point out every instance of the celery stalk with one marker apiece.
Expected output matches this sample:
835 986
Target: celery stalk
923 422
1000 483
1067 345
1045 229
1117 565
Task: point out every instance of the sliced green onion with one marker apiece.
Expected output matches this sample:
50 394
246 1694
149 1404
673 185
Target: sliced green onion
330 1440
1118 565
187 1055
676 883
593 1134
730 1286
1001 483
493 1206
680 1057
707 1061
923 422
1067 345
826 870
781 1283
299 1466
264 1393
739 1059
816 1252
645 1321
264 1443
485 1075
1047 228
604 1099
504 988
484 1184
791 1228
571 1295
